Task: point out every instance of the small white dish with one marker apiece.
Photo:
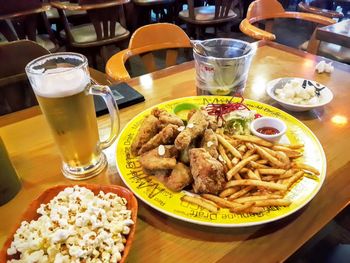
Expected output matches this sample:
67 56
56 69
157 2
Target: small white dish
268 122
326 94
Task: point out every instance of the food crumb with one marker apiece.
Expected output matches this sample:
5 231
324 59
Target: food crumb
221 159
181 128
161 150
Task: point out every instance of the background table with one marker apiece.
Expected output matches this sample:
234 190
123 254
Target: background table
159 238
338 33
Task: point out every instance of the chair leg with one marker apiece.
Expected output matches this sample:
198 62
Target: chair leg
197 33
190 30
93 58
200 31
104 54
314 44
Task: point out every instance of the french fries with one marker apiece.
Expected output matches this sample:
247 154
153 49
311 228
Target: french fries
272 171
228 146
225 157
274 186
259 175
200 202
306 167
240 165
229 191
273 160
272 202
221 201
253 139
268 172
240 193
256 198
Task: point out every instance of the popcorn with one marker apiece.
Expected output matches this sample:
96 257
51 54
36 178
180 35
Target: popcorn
76 225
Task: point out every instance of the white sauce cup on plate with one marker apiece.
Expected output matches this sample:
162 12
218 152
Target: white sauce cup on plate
268 122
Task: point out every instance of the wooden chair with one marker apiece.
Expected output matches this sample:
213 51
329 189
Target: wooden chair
326 49
145 7
74 17
145 40
26 17
220 13
6 32
267 10
15 90
107 26
308 7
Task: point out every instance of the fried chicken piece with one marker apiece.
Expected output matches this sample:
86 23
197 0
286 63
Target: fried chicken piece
208 173
147 130
210 143
185 155
195 127
152 161
162 175
179 178
166 118
190 114
213 122
166 136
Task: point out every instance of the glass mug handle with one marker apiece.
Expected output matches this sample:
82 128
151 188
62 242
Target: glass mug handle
106 93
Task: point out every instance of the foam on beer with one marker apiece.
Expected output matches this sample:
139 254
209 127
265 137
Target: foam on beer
60 82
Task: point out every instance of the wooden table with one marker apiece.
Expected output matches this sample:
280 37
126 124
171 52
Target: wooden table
162 239
338 33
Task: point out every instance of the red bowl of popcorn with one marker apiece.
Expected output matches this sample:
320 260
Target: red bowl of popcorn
75 222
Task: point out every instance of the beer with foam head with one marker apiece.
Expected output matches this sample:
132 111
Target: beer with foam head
63 96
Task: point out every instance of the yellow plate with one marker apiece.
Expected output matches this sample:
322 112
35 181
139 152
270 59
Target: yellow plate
156 195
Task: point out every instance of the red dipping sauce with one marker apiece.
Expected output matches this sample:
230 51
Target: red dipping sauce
268 130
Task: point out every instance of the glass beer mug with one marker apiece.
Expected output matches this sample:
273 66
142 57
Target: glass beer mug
62 85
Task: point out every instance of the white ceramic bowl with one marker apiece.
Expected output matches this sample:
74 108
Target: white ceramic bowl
268 122
325 98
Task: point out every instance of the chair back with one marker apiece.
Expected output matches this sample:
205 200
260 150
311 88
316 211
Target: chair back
264 9
15 90
104 19
222 7
268 10
319 8
27 18
146 39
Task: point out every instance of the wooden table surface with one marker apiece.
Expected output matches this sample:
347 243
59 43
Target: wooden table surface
160 238
338 33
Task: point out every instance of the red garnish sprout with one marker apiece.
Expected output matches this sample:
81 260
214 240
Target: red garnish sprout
219 110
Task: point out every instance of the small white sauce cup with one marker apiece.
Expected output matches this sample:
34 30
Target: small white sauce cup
268 122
